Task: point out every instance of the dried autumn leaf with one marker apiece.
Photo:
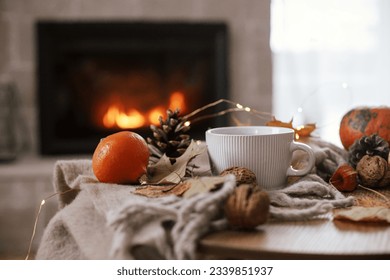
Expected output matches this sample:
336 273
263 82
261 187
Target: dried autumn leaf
278 123
172 171
186 189
300 131
305 130
203 184
158 191
364 214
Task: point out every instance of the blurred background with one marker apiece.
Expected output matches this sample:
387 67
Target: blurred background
306 61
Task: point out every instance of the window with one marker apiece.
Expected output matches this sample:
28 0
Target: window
329 56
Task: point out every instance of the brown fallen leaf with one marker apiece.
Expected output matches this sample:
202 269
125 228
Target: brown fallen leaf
275 122
157 191
305 130
203 184
363 214
186 189
300 131
172 171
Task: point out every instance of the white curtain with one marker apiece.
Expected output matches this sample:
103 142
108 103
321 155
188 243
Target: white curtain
329 56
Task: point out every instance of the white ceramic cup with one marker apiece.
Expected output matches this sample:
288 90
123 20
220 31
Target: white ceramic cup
265 150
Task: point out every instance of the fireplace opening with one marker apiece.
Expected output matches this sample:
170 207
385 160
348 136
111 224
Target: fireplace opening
96 78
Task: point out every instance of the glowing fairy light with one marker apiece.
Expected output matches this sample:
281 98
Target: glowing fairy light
237 108
344 85
191 118
300 110
241 107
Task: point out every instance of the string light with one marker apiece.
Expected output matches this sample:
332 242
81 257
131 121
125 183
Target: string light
34 228
237 107
186 122
43 202
300 131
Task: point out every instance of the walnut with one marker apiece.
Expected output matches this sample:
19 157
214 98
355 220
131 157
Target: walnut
247 207
385 181
344 178
243 175
371 170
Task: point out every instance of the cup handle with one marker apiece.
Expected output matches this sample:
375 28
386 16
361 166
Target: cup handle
309 166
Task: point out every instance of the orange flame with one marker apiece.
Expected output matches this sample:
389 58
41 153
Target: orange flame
116 116
177 100
154 114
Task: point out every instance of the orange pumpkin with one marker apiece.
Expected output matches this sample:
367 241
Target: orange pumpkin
364 121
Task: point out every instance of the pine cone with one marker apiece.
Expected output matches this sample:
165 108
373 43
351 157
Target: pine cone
372 145
170 137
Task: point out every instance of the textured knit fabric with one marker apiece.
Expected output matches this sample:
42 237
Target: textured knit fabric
107 221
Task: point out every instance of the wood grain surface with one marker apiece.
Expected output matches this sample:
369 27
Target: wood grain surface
317 239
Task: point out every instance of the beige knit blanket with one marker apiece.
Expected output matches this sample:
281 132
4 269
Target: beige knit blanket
106 221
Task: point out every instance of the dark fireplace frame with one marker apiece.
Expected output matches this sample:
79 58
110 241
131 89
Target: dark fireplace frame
57 37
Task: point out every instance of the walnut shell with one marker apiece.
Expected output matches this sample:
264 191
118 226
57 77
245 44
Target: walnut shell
385 181
247 207
371 170
243 175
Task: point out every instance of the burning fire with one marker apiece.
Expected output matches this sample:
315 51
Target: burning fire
177 100
117 116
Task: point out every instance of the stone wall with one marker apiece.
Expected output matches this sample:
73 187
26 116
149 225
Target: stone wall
250 68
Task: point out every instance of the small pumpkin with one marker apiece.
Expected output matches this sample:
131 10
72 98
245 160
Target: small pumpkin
364 121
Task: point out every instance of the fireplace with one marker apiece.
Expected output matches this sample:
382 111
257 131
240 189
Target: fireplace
96 78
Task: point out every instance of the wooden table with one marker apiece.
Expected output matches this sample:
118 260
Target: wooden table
318 239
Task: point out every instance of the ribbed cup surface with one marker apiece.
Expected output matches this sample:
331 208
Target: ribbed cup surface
268 156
